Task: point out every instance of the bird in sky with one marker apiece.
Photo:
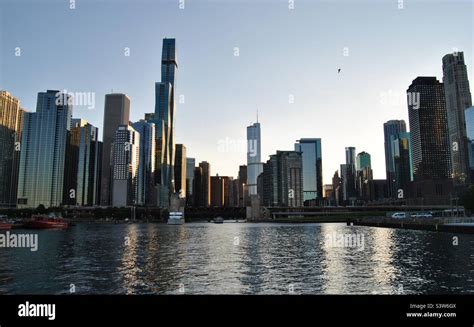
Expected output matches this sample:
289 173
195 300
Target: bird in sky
339 70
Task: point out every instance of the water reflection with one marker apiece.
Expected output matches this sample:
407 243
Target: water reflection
238 258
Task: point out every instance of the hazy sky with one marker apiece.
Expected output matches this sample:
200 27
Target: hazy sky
287 65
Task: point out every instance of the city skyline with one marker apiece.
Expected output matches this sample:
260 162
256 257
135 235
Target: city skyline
320 72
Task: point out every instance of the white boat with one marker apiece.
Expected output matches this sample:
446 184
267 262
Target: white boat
176 218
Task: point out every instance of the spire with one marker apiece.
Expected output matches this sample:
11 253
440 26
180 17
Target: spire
257 115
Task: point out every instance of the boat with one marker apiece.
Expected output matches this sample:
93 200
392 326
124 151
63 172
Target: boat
176 218
45 222
219 220
5 225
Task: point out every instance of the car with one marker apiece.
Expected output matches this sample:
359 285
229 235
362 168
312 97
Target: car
422 215
399 215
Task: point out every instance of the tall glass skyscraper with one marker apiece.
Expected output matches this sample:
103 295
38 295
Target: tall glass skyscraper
43 151
458 98
165 106
310 149
428 130
146 189
391 130
116 113
402 163
254 164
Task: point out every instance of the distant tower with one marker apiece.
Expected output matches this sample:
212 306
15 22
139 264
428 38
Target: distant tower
254 164
458 99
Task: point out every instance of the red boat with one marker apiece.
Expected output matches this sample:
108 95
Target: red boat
5 226
45 222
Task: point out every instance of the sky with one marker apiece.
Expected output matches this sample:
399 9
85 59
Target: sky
236 57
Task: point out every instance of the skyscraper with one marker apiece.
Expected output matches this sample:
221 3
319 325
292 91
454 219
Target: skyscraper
190 165
286 175
392 128
146 188
43 151
458 98
217 191
243 189
254 164
180 170
11 124
348 175
83 160
469 118
165 113
198 196
125 161
205 184
312 169
363 175
402 164
116 113
428 130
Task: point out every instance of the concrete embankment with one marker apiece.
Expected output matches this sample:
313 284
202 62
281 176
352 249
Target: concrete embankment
428 225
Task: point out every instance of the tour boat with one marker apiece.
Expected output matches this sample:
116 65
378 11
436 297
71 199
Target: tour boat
45 222
5 225
176 218
219 220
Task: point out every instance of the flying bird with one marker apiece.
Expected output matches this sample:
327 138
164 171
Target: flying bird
339 70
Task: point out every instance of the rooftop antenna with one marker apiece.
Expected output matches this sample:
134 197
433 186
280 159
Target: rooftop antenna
257 115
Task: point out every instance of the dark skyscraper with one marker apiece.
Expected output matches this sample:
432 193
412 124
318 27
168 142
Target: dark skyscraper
286 177
197 187
205 183
312 169
402 165
84 161
180 170
217 191
190 165
428 130
391 130
458 99
348 175
116 113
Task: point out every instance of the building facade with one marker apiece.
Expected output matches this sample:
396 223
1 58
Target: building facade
43 151
458 98
254 164
116 113
125 164
146 186
11 125
310 149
